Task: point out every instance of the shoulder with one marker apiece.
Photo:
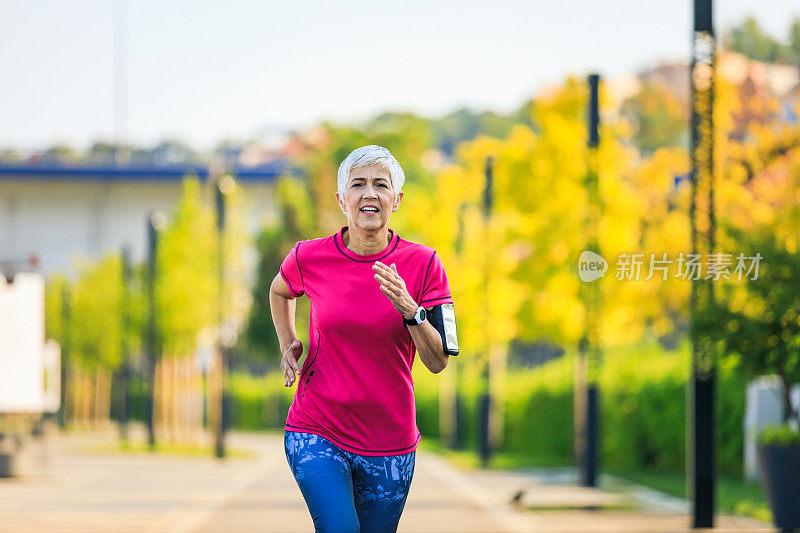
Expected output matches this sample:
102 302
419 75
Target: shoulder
415 248
309 252
421 254
313 245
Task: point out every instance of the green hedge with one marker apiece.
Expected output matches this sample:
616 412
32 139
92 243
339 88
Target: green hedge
643 392
643 408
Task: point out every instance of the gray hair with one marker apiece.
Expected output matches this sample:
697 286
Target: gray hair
371 155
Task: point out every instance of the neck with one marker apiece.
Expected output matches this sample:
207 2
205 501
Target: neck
366 243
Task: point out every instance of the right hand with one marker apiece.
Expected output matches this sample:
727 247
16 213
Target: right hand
289 366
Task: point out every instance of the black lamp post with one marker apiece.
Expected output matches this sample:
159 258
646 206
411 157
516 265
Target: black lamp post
457 433
156 222
485 400
125 326
700 418
225 186
588 403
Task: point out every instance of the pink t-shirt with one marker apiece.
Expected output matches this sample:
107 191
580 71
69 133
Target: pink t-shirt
355 387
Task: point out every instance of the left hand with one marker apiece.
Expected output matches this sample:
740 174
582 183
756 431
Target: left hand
393 286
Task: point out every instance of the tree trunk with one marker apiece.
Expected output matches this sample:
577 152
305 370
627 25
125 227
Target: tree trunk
213 391
789 413
175 390
198 401
157 400
98 398
70 413
106 396
76 396
86 397
497 362
189 393
166 383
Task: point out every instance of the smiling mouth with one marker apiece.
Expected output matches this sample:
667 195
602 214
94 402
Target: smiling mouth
369 210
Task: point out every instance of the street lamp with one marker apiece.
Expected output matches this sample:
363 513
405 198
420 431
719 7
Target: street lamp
457 432
125 323
587 402
65 353
156 222
485 401
225 186
701 480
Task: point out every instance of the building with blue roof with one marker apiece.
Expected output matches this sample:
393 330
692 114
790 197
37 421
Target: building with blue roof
60 213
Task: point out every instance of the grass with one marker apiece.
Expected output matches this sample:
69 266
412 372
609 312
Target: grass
734 496
468 459
186 450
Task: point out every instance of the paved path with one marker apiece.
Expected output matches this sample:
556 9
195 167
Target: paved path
77 489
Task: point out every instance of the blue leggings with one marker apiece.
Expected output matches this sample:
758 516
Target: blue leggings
345 492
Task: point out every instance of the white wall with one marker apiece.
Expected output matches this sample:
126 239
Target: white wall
22 369
60 221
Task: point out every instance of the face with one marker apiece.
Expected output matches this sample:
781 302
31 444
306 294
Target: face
369 198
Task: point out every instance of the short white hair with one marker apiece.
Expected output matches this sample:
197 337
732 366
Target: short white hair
371 155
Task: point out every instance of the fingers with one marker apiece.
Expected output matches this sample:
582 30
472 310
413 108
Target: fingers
386 271
288 373
289 365
391 284
388 292
293 364
387 276
378 266
297 351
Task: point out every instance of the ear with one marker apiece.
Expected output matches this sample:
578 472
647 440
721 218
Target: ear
397 201
341 203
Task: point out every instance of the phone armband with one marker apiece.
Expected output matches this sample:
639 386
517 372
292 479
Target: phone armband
443 318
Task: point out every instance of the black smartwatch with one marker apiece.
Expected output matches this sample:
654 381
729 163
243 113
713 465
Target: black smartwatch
418 318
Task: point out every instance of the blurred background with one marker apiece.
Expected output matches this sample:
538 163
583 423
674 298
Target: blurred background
158 160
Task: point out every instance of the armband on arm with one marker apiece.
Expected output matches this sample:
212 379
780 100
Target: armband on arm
443 318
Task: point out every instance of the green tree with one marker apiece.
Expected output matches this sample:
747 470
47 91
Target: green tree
465 125
259 344
750 39
658 118
187 282
794 40
60 153
94 327
759 320
55 290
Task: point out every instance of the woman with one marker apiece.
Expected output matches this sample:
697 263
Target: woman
351 433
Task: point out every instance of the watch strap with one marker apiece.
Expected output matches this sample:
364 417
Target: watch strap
413 321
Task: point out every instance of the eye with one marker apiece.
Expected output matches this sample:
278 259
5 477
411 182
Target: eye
383 185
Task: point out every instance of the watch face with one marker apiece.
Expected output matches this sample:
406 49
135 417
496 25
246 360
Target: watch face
422 315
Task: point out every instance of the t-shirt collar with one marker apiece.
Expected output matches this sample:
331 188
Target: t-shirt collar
338 239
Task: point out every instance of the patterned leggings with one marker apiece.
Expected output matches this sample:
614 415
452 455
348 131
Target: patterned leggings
345 492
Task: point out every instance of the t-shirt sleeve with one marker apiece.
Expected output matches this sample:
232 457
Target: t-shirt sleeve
435 287
292 273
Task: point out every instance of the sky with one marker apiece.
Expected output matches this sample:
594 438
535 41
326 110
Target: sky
203 71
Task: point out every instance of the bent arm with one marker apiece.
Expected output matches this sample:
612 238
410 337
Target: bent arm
429 346
282 306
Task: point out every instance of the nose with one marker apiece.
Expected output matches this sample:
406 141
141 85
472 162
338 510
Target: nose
369 191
